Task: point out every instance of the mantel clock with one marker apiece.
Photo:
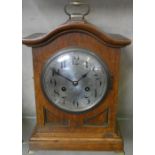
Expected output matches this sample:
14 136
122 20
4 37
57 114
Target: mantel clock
76 75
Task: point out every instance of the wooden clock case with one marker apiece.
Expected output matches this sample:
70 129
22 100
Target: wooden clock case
95 129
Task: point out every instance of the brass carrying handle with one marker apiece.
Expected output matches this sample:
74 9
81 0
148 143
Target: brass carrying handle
76 15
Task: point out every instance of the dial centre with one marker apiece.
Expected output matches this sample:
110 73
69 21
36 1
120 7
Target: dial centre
75 83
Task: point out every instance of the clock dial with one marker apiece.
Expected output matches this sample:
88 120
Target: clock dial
75 79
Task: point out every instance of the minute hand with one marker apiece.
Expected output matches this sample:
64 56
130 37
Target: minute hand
83 76
59 74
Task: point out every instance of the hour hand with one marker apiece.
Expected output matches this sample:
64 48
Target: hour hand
59 74
83 76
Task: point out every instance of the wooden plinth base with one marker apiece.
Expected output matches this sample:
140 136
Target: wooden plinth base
64 140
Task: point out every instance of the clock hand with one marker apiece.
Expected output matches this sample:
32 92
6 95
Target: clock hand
59 74
83 76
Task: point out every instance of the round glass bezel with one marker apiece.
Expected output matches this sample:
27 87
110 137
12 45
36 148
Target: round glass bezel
69 50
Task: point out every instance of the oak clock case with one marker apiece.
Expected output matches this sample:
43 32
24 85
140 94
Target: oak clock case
76 76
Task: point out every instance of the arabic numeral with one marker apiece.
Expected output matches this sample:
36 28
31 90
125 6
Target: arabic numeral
54 71
56 92
75 60
51 81
95 93
75 103
100 83
55 82
63 64
86 64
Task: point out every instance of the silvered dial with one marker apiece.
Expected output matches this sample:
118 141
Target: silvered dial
75 80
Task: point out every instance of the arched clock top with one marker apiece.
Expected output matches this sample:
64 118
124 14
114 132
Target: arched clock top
112 40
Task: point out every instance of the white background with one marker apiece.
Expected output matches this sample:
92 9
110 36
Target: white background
11 77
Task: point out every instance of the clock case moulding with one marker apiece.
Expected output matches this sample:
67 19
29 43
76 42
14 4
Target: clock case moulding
95 129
